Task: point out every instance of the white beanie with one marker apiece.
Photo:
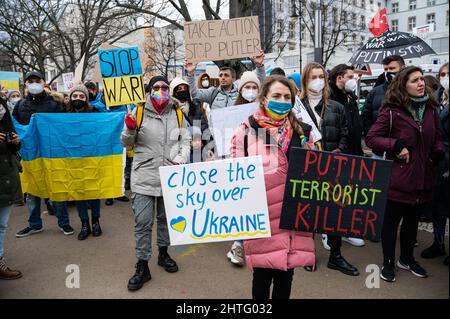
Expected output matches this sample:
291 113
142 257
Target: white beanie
247 77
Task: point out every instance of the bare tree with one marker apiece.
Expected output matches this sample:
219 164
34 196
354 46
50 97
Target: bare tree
161 52
339 23
39 33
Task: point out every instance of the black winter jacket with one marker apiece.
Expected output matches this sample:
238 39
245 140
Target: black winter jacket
10 188
372 106
31 104
354 121
333 126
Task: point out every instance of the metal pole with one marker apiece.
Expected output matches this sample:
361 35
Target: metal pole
300 35
318 34
174 55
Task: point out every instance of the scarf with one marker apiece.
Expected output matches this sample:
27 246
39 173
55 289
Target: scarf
280 130
417 107
314 98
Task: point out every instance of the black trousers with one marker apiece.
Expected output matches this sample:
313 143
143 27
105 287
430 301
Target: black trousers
409 215
335 243
263 278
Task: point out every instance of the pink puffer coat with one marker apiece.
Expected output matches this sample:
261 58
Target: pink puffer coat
285 249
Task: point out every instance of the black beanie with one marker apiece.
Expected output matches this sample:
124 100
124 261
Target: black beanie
155 79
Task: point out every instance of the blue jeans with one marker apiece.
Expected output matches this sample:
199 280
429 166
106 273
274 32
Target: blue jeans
34 208
4 217
82 207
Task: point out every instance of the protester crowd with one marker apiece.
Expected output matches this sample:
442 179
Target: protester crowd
404 120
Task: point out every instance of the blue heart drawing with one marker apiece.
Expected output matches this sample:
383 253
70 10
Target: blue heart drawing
178 224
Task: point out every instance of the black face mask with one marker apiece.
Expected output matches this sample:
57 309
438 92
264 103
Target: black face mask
78 104
183 96
390 76
91 96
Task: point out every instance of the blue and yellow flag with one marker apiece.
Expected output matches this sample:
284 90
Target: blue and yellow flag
72 156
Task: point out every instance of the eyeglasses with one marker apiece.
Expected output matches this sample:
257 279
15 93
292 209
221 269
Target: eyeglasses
157 88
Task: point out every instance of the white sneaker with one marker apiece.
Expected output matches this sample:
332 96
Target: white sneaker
236 255
354 241
325 242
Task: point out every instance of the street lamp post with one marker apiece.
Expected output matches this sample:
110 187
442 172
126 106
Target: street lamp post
299 16
318 33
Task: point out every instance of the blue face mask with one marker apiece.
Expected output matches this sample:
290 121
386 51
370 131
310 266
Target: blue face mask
278 110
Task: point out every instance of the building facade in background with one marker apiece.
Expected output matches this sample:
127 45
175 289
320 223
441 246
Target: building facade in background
428 19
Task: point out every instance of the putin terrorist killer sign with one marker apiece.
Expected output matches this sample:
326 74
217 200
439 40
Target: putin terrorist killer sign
335 194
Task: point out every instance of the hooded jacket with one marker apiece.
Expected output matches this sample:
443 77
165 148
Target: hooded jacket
285 249
159 142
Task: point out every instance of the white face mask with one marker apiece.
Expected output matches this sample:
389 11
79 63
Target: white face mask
249 95
316 85
444 83
205 83
35 88
350 85
14 100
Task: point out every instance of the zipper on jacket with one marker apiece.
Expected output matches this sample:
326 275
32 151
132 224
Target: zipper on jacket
142 163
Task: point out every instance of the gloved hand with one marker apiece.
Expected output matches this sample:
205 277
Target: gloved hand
130 122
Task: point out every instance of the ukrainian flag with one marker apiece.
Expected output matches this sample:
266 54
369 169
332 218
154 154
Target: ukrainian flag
69 157
9 80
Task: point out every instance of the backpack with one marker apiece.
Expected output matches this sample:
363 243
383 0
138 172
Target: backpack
140 116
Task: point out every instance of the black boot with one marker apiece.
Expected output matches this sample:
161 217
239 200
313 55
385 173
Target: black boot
85 230
96 229
337 262
435 250
141 276
165 261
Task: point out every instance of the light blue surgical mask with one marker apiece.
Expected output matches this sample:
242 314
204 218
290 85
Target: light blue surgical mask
278 110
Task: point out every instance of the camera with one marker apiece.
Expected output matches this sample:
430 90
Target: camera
9 137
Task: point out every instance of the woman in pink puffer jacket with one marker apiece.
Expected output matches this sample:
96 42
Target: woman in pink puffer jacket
270 132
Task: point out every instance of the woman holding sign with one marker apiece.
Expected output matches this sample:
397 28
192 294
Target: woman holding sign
269 133
407 131
159 138
329 118
249 85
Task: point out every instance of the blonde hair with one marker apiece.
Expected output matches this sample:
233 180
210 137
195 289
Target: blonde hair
305 81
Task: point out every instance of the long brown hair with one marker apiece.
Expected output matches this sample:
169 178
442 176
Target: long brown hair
397 94
305 81
267 84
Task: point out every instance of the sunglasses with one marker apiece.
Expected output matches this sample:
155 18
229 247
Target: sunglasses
157 88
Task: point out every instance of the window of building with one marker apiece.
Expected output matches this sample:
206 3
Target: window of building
280 5
354 20
280 27
363 3
355 3
291 30
412 4
394 25
335 16
431 3
354 38
363 22
440 45
431 18
395 7
411 23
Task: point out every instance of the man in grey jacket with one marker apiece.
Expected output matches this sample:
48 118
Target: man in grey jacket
227 93
158 141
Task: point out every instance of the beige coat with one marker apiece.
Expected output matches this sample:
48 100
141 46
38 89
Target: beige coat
159 142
